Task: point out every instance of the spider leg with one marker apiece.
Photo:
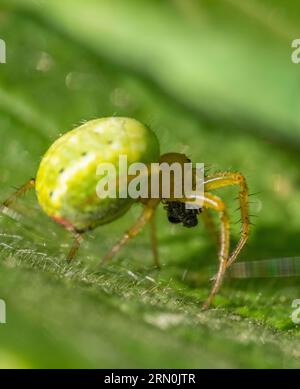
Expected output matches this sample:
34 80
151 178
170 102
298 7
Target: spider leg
75 246
225 179
214 202
210 201
154 241
210 225
145 217
22 190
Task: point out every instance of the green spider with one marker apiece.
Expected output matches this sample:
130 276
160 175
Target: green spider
66 183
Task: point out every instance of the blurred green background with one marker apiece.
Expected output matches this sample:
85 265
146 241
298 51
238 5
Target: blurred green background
214 79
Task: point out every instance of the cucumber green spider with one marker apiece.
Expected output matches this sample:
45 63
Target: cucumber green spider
66 181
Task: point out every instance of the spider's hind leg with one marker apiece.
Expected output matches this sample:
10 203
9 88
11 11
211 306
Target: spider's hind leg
75 246
22 190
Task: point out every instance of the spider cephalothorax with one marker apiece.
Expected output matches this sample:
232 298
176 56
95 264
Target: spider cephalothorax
177 212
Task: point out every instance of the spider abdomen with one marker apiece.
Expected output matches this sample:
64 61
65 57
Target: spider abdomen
67 176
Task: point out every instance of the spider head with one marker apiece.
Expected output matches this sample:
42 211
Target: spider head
170 158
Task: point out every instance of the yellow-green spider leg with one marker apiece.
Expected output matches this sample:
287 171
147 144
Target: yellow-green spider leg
146 216
154 245
210 225
75 246
20 192
226 179
213 202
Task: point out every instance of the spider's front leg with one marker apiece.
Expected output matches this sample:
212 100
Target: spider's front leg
214 202
210 225
226 179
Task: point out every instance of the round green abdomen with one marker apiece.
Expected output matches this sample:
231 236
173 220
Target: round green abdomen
67 177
